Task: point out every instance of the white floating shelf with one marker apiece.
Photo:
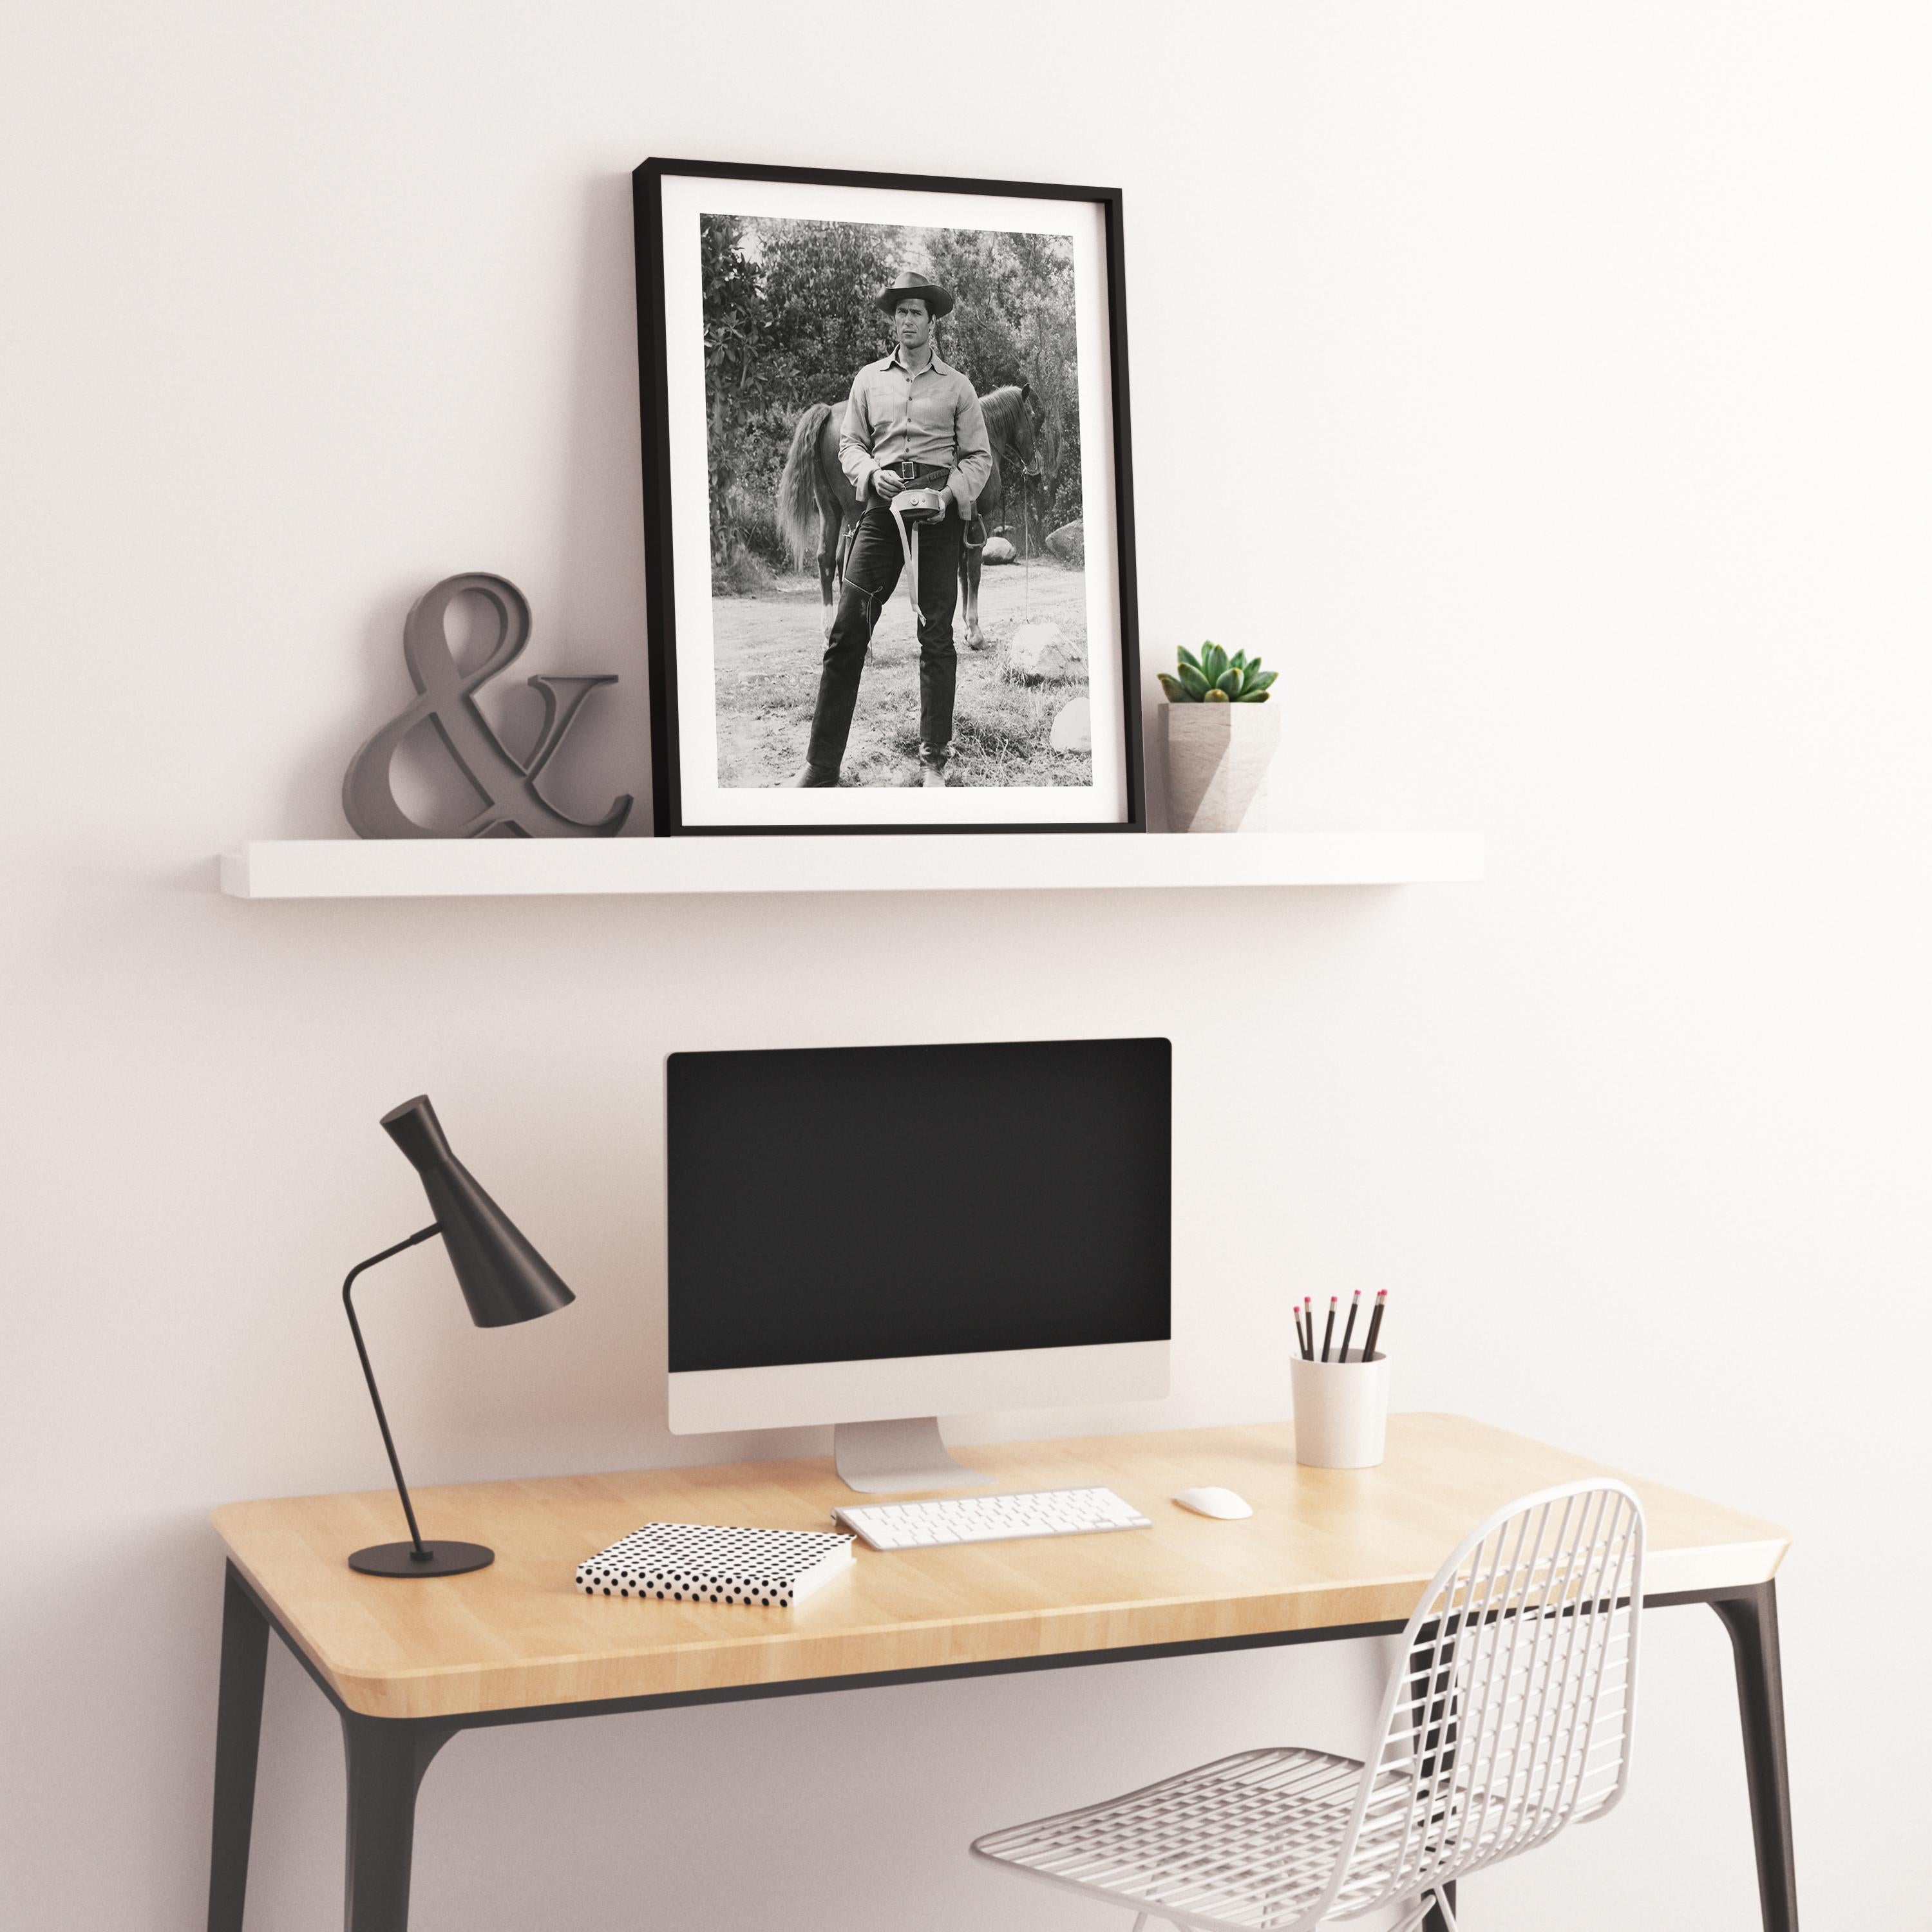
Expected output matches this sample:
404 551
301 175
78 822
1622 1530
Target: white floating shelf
340 869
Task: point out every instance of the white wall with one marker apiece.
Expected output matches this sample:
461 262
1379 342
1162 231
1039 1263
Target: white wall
1544 387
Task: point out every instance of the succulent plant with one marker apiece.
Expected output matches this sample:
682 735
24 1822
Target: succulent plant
1215 678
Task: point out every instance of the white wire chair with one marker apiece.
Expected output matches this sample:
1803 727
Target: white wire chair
1508 1717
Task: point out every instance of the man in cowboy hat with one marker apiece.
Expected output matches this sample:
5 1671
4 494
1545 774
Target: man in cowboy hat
913 424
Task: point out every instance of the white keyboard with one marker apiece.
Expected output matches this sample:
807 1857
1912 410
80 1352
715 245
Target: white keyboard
989 1519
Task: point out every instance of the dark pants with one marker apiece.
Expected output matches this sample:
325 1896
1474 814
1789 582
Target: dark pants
872 570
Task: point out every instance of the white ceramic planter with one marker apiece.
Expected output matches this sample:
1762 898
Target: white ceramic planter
1217 765
1341 1411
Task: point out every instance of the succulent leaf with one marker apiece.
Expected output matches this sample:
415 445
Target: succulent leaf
1213 677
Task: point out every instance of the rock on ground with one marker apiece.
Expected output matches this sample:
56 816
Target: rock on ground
1045 651
1069 543
1072 726
998 550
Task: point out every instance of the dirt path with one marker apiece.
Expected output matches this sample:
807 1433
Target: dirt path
768 648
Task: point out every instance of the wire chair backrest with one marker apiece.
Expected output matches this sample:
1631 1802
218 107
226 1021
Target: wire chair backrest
1509 1713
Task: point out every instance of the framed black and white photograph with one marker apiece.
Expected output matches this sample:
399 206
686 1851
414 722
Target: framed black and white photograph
888 503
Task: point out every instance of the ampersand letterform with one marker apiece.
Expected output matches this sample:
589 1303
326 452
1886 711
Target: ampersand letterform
446 699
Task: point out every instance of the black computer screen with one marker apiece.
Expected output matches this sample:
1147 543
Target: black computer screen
856 1203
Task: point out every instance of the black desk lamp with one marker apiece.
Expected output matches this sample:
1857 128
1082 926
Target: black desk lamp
503 1279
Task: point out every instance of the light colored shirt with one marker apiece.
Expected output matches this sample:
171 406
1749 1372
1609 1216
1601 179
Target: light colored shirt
894 417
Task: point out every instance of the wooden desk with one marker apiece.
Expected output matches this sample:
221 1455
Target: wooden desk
1327 1554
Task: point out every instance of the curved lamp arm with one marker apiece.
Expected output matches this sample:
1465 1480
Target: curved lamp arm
417 1551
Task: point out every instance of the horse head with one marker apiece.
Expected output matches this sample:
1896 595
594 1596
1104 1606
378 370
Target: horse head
1026 433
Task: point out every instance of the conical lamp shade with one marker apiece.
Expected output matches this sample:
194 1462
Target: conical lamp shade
503 1279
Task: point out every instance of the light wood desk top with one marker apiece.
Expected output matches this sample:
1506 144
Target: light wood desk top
1324 1548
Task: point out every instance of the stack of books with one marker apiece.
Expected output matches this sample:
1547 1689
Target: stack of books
709 1563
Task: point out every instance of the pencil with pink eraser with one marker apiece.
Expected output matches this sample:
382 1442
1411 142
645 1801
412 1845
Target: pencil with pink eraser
1375 1326
1328 1332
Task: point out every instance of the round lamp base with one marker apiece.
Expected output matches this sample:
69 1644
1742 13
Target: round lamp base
399 1559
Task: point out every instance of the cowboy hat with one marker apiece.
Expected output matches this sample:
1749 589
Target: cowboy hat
936 301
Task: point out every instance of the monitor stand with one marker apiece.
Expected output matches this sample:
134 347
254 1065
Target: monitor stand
881 1458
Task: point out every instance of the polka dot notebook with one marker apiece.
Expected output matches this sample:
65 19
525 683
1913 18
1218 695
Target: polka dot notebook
706 1563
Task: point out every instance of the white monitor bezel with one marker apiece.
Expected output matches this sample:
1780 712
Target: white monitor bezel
792 1395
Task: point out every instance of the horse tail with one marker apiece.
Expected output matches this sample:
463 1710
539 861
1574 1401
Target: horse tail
798 492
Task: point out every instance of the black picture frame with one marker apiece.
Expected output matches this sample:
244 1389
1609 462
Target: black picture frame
661 511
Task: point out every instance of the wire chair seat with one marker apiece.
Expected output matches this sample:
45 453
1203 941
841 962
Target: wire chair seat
1507 1717
1246 1844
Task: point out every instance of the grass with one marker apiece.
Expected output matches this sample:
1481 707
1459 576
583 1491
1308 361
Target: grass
768 653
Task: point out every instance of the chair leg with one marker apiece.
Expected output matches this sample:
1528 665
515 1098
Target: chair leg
1442 1910
1421 1907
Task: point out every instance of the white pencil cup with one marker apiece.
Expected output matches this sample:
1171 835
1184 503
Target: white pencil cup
1341 1411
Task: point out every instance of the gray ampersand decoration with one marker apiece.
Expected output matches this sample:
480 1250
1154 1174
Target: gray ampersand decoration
507 783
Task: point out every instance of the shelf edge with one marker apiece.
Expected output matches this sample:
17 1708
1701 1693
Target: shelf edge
324 869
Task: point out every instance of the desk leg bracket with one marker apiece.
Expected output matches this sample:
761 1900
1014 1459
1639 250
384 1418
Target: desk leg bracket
387 1757
1751 1616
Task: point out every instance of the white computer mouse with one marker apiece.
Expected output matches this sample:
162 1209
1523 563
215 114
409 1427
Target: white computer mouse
1223 1503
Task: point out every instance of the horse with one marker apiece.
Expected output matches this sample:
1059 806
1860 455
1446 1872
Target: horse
1009 428
813 478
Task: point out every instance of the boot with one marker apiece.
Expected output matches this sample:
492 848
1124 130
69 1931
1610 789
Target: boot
810 777
926 773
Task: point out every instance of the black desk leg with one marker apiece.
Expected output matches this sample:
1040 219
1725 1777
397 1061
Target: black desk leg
387 1759
238 1741
1438 1721
1751 1618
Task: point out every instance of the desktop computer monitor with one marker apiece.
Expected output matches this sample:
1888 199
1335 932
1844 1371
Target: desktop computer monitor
875 1237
